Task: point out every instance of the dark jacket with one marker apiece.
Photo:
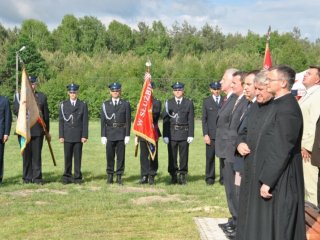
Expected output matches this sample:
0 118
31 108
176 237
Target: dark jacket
5 117
209 116
73 121
115 120
315 156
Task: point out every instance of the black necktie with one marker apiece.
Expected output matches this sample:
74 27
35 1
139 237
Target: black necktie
178 102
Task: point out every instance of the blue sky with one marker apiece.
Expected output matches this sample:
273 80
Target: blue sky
231 16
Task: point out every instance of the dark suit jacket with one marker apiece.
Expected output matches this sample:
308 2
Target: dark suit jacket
115 121
73 121
41 99
5 117
315 156
209 116
223 121
182 126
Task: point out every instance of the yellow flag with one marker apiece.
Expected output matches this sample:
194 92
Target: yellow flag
28 111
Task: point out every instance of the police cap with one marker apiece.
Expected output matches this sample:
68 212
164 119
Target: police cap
215 85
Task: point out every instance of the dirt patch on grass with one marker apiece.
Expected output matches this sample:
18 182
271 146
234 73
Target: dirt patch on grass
153 199
140 190
28 192
207 209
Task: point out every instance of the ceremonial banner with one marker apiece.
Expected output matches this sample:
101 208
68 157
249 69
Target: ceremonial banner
267 63
143 122
28 111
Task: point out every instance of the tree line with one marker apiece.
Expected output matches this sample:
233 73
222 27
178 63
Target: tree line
84 51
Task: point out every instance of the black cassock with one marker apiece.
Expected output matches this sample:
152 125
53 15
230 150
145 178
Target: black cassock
273 134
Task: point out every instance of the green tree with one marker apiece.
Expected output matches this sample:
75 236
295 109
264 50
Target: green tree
37 32
67 35
119 37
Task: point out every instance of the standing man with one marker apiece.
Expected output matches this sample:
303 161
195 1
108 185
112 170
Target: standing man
315 156
148 166
274 208
5 127
210 109
178 132
115 131
223 121
73 132
309 105
32 160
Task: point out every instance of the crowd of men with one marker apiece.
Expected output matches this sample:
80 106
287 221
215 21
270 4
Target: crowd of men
267 142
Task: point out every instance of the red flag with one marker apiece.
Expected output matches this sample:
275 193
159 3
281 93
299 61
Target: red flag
143 122
267 63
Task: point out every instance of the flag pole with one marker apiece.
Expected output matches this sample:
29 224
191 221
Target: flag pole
43 125
267 62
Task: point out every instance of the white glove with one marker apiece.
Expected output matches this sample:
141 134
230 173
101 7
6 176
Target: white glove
166 140
126 140
136 140
189 139
104 140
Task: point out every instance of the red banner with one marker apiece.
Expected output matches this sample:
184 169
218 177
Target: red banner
267 63
143 122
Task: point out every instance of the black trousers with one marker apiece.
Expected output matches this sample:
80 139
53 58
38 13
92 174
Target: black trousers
210 161
1 159
173 148
318 188
72 149
32 160
148 166
115 148
230 188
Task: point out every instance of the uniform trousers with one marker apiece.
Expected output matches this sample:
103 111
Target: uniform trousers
115 148
173 148
149 167
229 177
72 149
210 161
32 160
1 159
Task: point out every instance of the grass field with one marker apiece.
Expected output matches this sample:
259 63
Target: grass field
96 210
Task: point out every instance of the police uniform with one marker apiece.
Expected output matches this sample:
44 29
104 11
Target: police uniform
32 159
178 127
5 126
73 126
115 127
148 166
210 109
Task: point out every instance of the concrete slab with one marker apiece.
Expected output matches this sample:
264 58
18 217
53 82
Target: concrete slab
209 229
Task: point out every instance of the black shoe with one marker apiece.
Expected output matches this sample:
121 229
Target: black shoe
151 180
182 179
225 225
144 180
27 181
221 181
66 181
229 229
119 180
174 179
110 178
210 181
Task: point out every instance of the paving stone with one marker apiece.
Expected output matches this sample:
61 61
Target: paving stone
209 229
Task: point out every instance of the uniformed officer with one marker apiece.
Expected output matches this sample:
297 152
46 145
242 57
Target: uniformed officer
5 126
115 131
32 160
210 109
73 132
178 132
149 167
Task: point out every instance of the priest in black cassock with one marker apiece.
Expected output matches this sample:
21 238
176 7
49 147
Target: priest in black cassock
272 191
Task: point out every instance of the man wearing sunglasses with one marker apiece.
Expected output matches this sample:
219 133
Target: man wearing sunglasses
115 131
73 132
178 132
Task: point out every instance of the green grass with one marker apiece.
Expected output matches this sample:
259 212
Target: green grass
96 210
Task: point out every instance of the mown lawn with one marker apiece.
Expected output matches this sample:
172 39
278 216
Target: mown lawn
96 210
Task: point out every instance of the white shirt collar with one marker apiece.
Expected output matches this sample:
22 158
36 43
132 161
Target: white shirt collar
180 99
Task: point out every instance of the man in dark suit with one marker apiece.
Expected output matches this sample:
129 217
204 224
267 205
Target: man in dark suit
73 132
274 207
210 109
148 166
178 132
32 160
5 127
115 131
315 157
